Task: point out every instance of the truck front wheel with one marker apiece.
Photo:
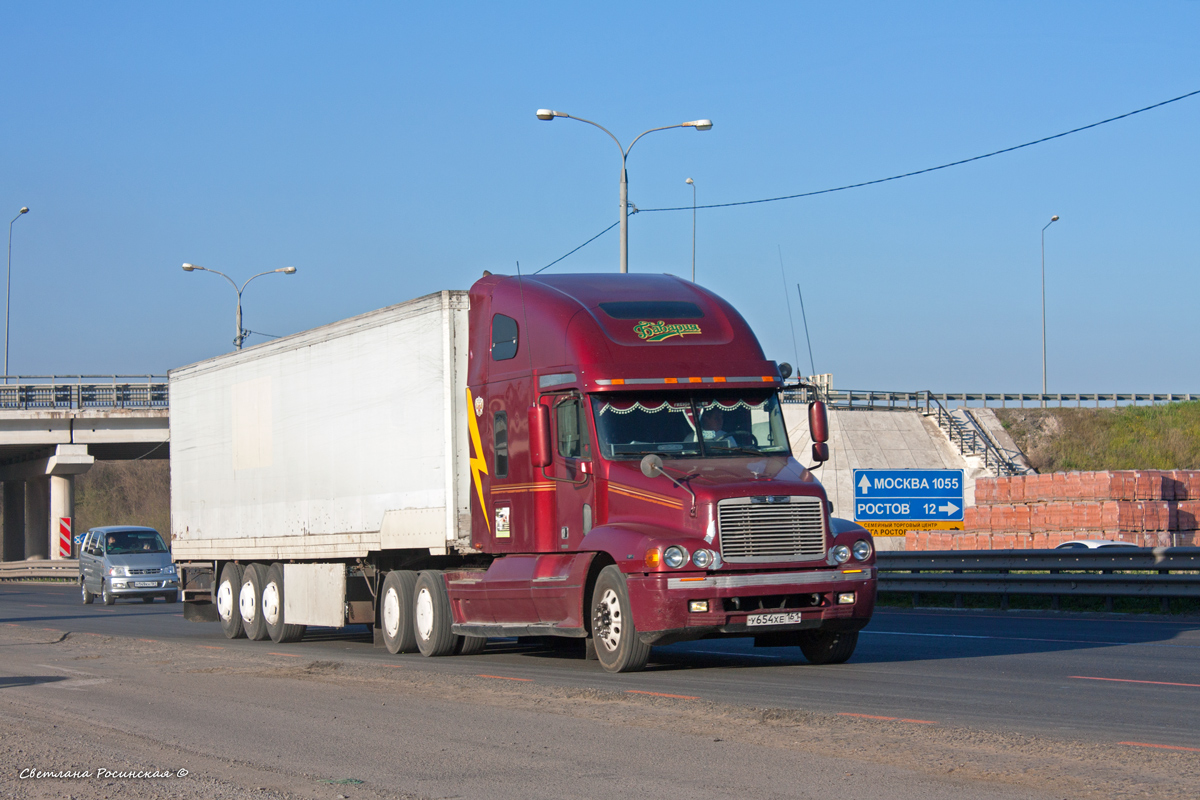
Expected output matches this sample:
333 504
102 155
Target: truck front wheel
396 611
618 647
828 647
431 613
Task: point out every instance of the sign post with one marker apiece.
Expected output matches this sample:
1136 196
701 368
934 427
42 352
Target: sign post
889 502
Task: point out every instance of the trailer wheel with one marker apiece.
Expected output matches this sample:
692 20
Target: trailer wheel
228 589
396 615
88 597
828 647
618 647
250 602
431 613
280 631
470 645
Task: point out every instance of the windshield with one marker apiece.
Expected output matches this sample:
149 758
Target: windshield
123 543
734 423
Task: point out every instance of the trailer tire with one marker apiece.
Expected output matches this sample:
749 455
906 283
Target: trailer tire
250 602
273 604
828 647
226 600
396 615
470 645
618 647
431 615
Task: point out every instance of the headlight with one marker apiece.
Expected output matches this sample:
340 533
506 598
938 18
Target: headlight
675 556
118 571
840 553
702 558
862 549
169 569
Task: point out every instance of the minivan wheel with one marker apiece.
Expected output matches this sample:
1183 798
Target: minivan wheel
88 597
106 595
149 598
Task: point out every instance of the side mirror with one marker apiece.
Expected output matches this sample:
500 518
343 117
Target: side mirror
541 451
785 370
820 452
818 421
652 466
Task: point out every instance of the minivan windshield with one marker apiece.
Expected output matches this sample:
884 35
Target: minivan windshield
122 543
700 425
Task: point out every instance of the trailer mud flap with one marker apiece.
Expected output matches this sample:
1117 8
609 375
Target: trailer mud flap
196 611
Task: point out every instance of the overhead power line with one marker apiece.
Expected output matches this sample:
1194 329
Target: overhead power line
893 177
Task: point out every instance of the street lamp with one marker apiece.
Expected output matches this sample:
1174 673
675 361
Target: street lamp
241 333
698 124
8 288
1053 220
692 183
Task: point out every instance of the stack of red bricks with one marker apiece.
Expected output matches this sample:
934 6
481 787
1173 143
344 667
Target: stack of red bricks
1150 508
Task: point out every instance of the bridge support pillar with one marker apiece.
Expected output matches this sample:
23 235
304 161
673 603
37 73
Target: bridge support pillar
37 517
13 548
62 515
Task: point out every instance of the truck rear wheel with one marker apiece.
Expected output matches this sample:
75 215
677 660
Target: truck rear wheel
618 647
432 617
828 647
226 598
396 615
250 602
470 645
280 631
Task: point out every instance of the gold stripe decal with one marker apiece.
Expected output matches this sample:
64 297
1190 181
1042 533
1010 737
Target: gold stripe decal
649 497
478 463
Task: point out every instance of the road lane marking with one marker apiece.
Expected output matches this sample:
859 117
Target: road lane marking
1025 639
148 640
660 694
285 655
887 719
210 647
1162 746
1131 680
503 678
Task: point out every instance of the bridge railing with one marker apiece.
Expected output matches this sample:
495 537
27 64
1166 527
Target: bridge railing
75 392
873 400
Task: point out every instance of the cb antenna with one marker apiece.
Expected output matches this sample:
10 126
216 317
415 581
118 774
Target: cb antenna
804 317
783 275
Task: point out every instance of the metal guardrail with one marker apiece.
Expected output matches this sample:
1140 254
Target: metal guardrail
66 570
881 400
75 392
1161 572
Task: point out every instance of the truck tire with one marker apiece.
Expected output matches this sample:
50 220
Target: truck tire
470 645
618 647
396 616
226 601
828 647
87 596
250 602
280 631
431 615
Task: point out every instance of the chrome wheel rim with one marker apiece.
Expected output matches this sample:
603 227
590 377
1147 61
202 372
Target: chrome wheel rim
424 614
608 621
391 612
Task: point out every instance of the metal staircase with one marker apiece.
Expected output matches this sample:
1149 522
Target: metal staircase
972 440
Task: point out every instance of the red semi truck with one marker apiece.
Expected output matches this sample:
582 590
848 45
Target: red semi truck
593 456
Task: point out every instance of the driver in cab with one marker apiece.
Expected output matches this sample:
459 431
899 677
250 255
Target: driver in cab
712 422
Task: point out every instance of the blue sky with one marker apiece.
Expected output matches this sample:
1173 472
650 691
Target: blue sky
389 150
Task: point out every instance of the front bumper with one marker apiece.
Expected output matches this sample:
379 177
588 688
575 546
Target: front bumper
660 602
137 585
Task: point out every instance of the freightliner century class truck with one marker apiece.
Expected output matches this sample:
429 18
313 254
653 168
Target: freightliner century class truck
593 456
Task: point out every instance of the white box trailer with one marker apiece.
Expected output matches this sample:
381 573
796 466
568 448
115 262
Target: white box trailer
328 444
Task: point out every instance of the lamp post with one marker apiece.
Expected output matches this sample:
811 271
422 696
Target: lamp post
698 124
8 287
240 334
1053 220
692 183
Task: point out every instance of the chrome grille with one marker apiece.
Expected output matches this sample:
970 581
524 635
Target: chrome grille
152 571
758 529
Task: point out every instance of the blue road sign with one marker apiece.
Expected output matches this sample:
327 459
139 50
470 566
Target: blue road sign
907 495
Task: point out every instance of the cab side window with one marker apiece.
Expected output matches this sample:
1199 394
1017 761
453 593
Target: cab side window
573 438
504 338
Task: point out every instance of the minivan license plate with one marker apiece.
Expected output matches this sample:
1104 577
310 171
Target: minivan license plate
146 584
780 618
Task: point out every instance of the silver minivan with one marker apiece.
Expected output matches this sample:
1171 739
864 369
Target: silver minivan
126 561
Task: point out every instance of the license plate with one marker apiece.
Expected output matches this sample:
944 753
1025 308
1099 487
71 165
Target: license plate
780 618
146 584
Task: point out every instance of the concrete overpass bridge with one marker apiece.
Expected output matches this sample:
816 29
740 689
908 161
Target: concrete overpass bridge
53 428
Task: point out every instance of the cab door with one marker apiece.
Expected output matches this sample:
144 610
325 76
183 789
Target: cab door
573 468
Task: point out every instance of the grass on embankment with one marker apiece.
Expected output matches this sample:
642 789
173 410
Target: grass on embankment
1066 439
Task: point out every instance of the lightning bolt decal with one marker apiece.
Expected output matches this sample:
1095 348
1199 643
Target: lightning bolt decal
478 463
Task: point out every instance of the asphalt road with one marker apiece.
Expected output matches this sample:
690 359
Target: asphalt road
1092 678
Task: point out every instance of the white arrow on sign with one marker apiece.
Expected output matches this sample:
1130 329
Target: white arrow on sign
949 508
864 484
